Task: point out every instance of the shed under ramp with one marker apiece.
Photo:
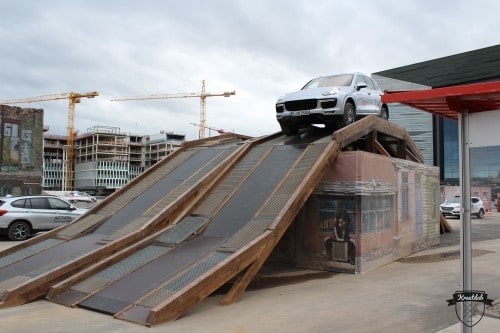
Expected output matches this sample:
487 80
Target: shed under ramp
156 198
230 233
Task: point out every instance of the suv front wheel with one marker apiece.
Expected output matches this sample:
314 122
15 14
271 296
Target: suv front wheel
349 115
480 214
19 230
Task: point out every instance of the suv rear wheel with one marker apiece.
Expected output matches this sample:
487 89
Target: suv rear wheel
19 230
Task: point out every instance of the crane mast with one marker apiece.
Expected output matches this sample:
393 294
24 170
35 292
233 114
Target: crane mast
203 102
73 99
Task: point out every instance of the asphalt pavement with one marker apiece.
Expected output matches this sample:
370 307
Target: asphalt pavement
404 296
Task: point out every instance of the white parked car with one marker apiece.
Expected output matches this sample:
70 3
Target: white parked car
21 217
334 101
451 207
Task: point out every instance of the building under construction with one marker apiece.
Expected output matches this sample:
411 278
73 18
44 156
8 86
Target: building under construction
105 159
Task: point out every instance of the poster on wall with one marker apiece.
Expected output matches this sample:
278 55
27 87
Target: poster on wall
336 224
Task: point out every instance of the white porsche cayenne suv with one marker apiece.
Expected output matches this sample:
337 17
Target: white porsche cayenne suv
334 101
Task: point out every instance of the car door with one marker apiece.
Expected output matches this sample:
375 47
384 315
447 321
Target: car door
361 95
474 205
39 214
64 213
375 95
372 106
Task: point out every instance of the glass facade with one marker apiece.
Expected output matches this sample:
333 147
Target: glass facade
450 166
418 123
485 168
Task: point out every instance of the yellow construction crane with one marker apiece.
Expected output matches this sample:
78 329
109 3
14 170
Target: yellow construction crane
73 99
203 102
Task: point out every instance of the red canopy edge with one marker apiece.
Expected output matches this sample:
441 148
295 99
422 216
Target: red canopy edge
449 101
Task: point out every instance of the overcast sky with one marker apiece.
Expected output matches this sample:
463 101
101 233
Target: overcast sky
259 48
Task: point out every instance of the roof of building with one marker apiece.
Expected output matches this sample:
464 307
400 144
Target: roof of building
449 101
475 66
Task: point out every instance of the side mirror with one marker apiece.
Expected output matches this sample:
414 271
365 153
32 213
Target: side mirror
361 85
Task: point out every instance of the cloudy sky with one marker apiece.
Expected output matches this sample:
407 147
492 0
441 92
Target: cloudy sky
259 48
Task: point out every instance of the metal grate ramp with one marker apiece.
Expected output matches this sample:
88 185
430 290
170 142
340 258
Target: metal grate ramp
132 208
171 237
256 173
219 267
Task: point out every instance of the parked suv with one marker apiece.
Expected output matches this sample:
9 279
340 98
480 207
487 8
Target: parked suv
451 207
21 217
335 101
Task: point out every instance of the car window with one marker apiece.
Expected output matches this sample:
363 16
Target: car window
475 200
359 78
55 203
369 82
38 203
19 203
453 200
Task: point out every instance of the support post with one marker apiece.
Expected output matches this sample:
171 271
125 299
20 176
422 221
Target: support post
465 217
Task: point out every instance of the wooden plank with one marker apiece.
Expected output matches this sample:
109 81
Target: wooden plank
244 280
444 225
370 142
381 150
364 126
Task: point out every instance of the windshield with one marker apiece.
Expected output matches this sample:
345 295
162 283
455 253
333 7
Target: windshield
330 81
453 200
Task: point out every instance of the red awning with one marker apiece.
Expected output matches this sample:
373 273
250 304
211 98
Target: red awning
449 101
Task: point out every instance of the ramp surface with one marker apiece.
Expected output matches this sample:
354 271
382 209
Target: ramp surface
27 271
239 220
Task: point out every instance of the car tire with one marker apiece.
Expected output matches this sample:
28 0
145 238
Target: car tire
289 129
384 113
19 230
480 214
349 114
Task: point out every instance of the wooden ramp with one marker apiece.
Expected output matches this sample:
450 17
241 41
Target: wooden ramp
158 197
229 234
210 234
